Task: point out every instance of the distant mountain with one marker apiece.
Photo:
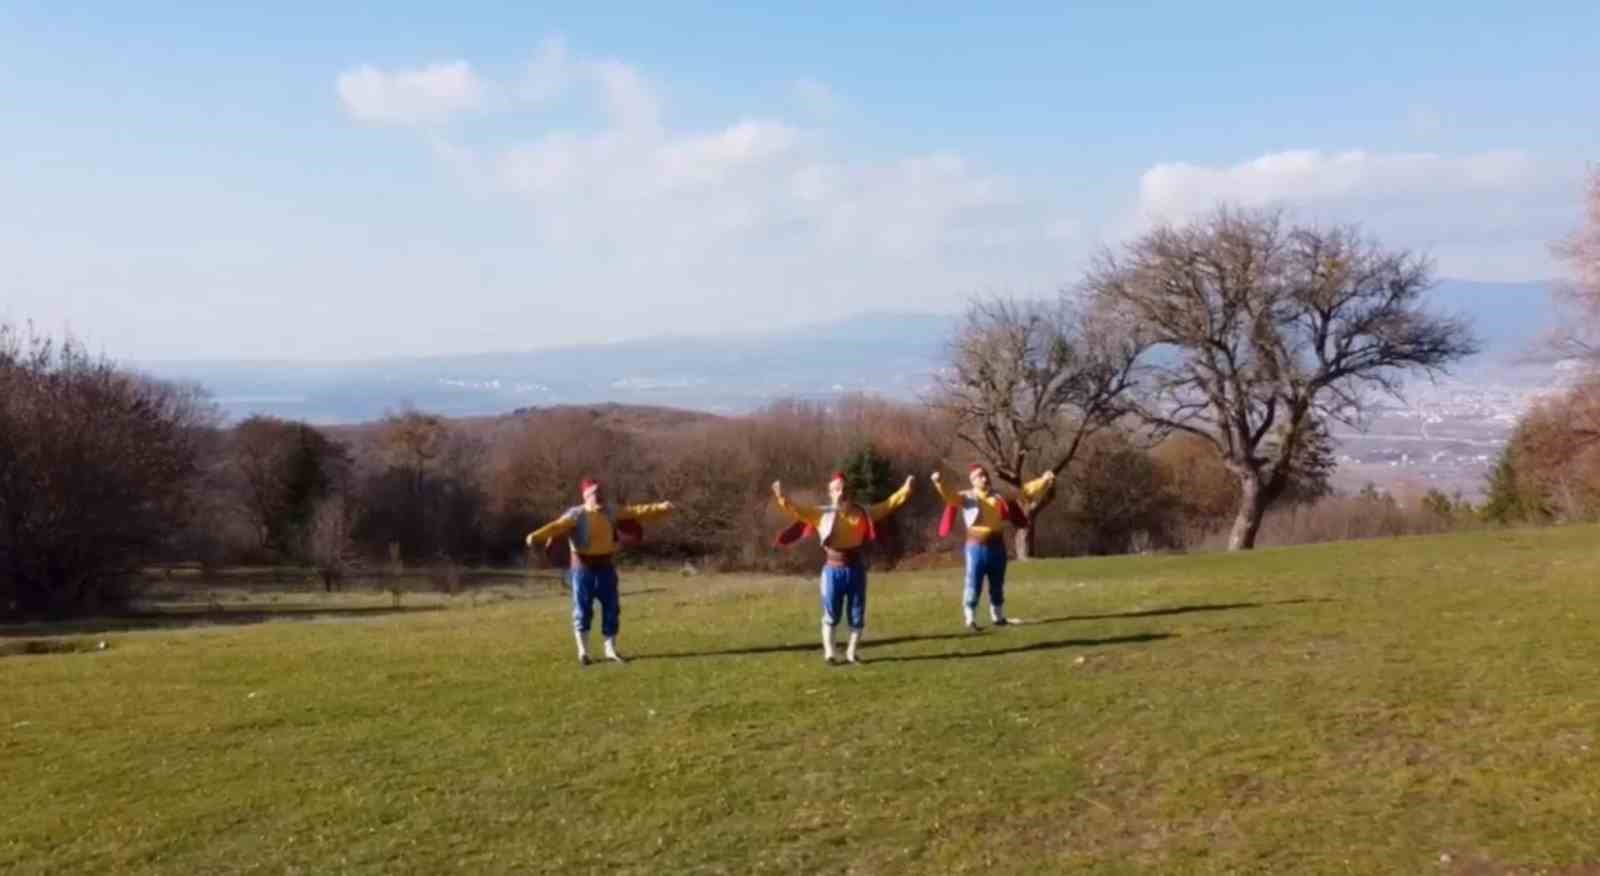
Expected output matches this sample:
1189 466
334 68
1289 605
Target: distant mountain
893 354
889 353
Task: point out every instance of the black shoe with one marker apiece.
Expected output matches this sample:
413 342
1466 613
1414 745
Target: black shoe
1002 622
972 626
583 660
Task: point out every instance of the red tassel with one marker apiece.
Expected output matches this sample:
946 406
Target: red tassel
791 534
1014 512
948 521
557 551
870 533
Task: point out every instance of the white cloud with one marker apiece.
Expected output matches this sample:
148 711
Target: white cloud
1311 177
1483 215
616 219
629 100
747 215
549 74
410 97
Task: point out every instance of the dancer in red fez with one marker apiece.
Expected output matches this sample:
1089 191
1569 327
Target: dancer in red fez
843 528
594 530
986 514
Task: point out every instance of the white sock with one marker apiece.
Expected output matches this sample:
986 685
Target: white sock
583 642
997 613
611 646
855 637
971 618
827 640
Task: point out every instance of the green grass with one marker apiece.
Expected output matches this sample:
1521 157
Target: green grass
1352 708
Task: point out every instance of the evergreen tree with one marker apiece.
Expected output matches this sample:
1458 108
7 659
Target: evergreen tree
868 476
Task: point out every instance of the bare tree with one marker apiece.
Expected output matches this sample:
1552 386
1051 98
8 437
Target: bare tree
541 462
330 540
284 469
1263 334
412 440
1579 298
95 468
1028 382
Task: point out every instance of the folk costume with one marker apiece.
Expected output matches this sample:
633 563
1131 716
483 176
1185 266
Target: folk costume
985 514
844 529
593 532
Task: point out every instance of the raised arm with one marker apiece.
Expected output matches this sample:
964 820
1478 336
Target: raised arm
810 514
645 513
894 502
554 529
950 497
1034 489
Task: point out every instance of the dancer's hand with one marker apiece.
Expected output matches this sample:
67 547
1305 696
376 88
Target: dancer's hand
911 481
777 489
936 477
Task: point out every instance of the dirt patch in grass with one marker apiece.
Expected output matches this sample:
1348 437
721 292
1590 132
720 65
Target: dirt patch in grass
32 647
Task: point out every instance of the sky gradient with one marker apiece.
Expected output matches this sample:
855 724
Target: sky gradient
417 179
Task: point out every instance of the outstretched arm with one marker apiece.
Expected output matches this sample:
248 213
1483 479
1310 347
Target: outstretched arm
809 514
1035 489
950 497
892 504
554 529
647 512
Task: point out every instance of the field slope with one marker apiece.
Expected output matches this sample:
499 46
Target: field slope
1409 706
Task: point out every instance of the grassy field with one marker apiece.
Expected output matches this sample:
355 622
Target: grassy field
1409 706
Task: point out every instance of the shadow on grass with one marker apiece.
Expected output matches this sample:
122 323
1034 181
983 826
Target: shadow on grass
178 618
1175 610
785 649
1034 646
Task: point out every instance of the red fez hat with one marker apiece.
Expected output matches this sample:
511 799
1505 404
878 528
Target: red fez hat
588 484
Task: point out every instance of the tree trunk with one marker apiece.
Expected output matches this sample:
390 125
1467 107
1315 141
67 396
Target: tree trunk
1024 538
1247 523
1024 542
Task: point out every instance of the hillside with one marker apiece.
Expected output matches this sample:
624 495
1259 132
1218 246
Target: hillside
888 353
1410 706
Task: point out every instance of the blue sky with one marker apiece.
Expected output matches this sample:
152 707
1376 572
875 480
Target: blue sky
410 179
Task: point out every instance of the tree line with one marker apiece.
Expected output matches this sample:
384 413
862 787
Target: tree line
1184 387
